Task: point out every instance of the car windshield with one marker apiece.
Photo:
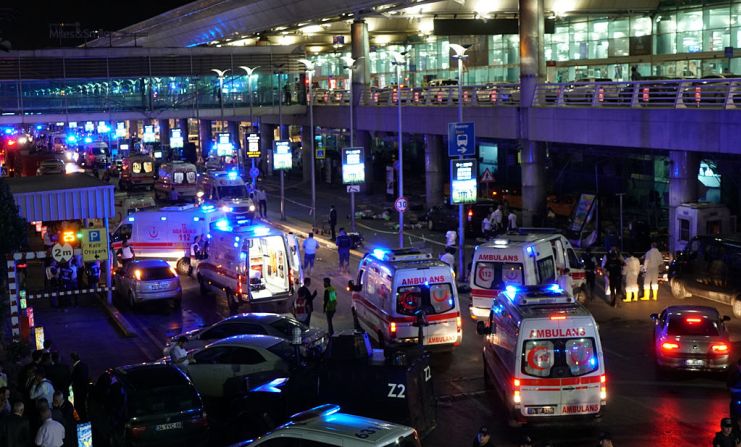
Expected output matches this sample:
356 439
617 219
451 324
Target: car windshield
285 326
155 273
692 325
172 399
232 191
559 357
432 298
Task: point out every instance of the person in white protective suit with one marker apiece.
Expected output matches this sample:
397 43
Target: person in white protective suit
652 262
631 271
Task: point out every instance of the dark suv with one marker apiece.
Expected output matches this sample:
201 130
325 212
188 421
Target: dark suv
146 405
710 268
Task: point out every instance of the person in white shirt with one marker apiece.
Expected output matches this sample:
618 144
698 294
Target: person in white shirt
42 388
486 227
310 247
652 262
511 221
450 238
631 270
51 432
126 253
178 354
496 219
565 282
448 257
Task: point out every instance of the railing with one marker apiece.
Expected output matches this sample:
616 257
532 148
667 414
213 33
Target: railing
473 95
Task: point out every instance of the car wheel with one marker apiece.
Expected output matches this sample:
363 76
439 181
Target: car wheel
677 288
132 301
737 307
182 267
202 285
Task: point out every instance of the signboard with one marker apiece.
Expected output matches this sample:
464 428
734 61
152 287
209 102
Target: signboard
38 336
486 177
84 434
62 252
224 146
461 140
320 153
582 211
89 126
353 165
94 244
103 127
282 156
176 138
401 204
728 52
254 172
253 146
148 136
353 188
463 184
120 130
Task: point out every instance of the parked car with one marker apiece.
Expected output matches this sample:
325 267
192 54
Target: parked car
498 93
439 90
239 356
146 405
256 323
50 167
691 338
582 91
143 280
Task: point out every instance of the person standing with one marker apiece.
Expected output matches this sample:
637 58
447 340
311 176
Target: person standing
725 437
330 304
308 296
15 430
344 244
565 282
51 432
333 221
42 387
310 247
590 266
63 412
486 227
651 264
178 354
483 439
80 381
448 257
450 238
496 219
125 253
262 202
511 221
634 74
632 270
59 374
93 273
74 280
614 266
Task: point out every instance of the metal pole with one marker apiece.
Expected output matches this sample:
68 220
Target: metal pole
280 137
312 155
461 232
108 278
221 101
401 152
620 196
352 144
252 128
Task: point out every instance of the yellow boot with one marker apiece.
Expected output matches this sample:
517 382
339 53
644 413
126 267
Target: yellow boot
646 295
635 295
627 296
655 293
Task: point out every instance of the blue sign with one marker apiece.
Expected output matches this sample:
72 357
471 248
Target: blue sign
461 140
728 51
94 235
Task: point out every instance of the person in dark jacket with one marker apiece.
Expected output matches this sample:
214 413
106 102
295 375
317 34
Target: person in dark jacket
15 430
483 439
333 221
80 381
725 437
344 244
59 374
614 266
63 412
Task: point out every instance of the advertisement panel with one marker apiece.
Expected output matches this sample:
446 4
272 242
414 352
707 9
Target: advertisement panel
253 145
463 183
282 155
353 165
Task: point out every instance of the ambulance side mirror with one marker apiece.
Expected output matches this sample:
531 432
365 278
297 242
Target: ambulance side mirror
654 316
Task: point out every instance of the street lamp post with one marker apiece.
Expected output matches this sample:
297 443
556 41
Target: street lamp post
398 61
460 54
309 75
221 74
279 71
350 65
250 72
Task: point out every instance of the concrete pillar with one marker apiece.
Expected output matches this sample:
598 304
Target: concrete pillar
683 169
164 131
267 132
363 139
433 170
133 129
284 132
205 137
306 154
360 50
532 71
182 124
233 129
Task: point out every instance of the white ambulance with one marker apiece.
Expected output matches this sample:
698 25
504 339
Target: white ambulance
529 258
543 354
228 191
166 233
255 262
397 287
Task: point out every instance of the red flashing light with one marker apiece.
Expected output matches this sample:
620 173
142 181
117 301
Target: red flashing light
669 346
470 213
392 328
11 142
558 317
692 320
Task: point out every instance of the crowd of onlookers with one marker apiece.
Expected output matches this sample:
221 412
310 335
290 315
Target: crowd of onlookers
38 397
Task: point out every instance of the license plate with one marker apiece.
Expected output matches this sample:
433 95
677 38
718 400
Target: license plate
170 426
694 362
540 410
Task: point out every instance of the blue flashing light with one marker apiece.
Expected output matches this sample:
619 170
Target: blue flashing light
71 139
196 219
261 230
232 175
163 218
510 291
272 386
379 253
131 218
208 236
530 250
243 256
208 208
236 244
227 209
88 140
555 288
39 126
236 238
223 224
8 131
242 221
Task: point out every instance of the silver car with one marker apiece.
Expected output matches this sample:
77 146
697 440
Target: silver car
51 167
148 280
691 338
314 341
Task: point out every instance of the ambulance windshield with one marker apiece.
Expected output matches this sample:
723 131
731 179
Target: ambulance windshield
560 357
432 298
496 275
232 192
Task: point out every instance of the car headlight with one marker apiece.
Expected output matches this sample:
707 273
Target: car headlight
252 207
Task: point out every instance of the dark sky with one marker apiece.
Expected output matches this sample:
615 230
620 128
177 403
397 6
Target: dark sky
26 23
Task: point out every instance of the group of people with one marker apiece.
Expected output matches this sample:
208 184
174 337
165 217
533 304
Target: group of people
623 274
37 407
67 275
483 439
498 221
303 306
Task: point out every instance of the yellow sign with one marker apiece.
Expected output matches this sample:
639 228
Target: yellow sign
38 333
94 243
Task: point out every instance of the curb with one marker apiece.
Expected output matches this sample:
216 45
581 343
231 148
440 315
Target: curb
123 325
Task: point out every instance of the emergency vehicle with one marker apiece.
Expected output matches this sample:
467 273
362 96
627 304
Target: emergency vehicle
227 190
396 289
176 181
126 204
254 262
137 171
166 233
543 354
530 258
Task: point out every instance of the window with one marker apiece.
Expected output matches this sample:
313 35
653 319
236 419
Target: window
560 357
190 177
684 230
285 351
148 166
136 167
574 261
156 273
494 275
546 270
690 325
122 232
245 356
285 326
216 354
171 399
227 330
178 177
433 299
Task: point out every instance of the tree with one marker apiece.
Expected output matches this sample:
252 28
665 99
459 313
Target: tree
13 227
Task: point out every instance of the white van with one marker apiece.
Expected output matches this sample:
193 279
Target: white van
166 233
176 181
227 190
543 354
126 204
393 286
529 258
255 262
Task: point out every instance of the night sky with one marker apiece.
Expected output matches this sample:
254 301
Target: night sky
26 23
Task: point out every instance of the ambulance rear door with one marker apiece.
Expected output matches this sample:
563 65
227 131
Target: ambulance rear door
493 270
294 261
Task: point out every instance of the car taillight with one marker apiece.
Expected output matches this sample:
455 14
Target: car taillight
669 346
200 421
392 329
719 348
459 323
603 387
517 398
239 284
137 430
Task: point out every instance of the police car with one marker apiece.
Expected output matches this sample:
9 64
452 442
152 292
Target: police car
326 426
